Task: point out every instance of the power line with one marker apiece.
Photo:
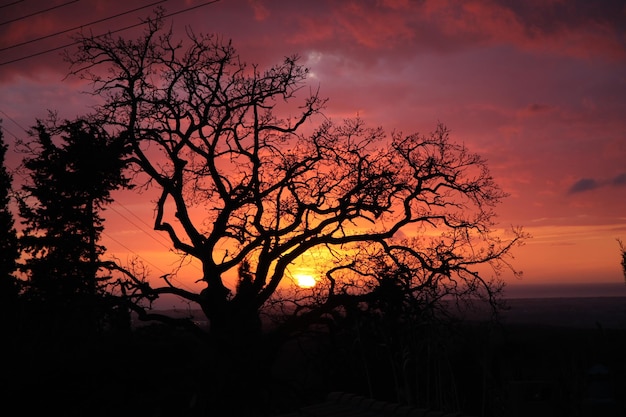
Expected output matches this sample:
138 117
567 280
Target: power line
81 26
146 231
110 33
139 227
135 216
9 132
39 53
10 4
38 12
191 8
171 278
13 120
133 252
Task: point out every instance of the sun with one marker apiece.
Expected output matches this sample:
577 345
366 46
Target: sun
304 280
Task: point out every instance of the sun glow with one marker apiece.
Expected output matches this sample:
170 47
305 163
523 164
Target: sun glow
304 280
309 268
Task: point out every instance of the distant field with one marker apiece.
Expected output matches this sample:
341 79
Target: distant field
599 289
572 312
580 312
570 305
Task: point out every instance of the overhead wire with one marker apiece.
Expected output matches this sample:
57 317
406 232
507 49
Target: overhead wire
82 26
10 4
16 171
104 34
163 242
58 6
133 252
158 268
160 242
9 132
17 139
14 121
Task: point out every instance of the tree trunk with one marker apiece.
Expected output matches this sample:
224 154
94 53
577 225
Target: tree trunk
240 360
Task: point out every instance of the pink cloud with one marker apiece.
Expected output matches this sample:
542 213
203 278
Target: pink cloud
261 12
444 24
379 28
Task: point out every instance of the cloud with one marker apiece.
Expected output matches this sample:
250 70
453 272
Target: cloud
395 28
619 180
261 12
589 184
582 185
539 108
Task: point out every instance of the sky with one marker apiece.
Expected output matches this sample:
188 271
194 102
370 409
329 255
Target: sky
536 87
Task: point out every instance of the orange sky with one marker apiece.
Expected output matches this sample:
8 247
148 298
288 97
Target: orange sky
536 87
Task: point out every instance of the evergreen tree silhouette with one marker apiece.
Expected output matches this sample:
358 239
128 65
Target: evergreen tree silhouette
73 168
9 251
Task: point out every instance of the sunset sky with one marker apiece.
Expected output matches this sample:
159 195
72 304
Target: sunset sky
537 87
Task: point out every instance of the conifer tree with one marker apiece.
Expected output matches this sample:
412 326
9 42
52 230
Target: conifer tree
9 251
72 168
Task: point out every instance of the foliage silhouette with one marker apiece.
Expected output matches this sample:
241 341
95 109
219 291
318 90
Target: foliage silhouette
9 249
72 168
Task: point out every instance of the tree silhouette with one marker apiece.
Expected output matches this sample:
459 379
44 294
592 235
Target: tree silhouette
9 250
72 169
251 185
205 130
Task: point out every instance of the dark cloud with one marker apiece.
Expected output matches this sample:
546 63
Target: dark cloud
585 184
537 108
619 180
551 17
588 184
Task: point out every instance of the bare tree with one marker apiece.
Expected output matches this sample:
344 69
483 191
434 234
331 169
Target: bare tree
212 134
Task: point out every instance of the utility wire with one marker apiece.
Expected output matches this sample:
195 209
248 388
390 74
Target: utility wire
9 132
38 12
10 4
81 26
139 227
109 33
137 217
165 243
133 252
13 120
170 277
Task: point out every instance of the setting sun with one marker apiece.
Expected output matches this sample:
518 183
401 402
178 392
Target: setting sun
304 280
